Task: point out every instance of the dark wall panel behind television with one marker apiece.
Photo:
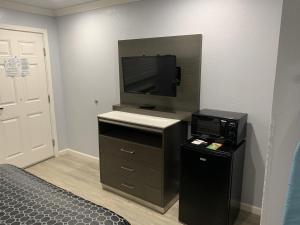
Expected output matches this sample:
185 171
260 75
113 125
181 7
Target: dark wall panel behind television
188 50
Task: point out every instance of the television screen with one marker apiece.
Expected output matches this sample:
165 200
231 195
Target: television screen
153 75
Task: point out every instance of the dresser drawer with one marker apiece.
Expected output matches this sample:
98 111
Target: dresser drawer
135 170
125 184
129 185
152 195
131 151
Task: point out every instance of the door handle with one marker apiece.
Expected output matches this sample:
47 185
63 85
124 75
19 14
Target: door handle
1 108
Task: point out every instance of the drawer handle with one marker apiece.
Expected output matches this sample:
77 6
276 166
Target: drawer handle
127 186
126 151
127 169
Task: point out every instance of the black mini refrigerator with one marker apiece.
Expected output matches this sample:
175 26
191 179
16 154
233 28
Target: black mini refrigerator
210 180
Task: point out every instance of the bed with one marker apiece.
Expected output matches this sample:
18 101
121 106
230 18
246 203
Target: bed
27 199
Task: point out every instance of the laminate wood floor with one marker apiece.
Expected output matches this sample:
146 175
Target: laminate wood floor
80 175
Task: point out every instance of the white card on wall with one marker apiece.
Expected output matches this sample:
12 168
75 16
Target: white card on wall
11 65
24 67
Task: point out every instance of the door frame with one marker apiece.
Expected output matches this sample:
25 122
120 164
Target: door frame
48 75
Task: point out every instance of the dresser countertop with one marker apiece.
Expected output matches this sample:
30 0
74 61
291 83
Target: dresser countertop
138 119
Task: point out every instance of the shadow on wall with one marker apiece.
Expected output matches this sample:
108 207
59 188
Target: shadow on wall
253 169
289 140
292 135
291 202
297 79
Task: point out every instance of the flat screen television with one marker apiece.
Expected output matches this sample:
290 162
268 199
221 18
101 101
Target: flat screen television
150 75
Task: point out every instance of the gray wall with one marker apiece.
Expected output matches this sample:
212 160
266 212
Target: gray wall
240 42
285 115
26 19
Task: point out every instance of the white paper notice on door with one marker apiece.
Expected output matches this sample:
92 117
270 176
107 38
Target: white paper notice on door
11 65
24 67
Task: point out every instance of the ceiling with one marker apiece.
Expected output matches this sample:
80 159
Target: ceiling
52 4
59 7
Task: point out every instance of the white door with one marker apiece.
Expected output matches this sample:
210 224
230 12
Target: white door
25 125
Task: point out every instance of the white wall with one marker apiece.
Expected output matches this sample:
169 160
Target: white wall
239 64
49 23
286 115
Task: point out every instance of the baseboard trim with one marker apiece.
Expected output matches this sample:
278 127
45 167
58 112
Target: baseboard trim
78 152
251 209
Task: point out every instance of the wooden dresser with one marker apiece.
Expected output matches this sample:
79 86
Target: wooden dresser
139 157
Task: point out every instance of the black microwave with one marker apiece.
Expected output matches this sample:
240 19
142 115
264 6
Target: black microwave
228 127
